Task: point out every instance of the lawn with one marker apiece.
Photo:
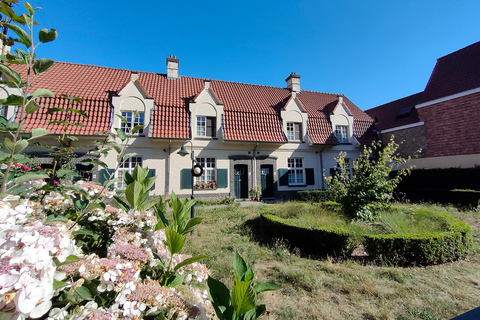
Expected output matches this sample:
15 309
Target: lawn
331 289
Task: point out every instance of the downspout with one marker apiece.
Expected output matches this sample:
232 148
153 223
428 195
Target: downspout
321 168
254 180
167 174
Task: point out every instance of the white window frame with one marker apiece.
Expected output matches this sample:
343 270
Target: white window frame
209 170
292 133
132 122
126 166
342 134
202 127
296 172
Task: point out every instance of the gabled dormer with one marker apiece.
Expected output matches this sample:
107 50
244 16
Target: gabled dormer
133 98
206 114
342 122
294 119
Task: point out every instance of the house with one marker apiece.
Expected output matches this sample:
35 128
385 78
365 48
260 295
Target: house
444 119
242 135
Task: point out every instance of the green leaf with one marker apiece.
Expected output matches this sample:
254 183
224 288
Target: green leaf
29 8
80 204
42 93
12 100
24 37
266 286
101 164
240 268
42 65
136 128
84 293
174 240
30 176
190 261
133 193
54 110
148 205
59 284
39 132
175 280
220 297
95 205
86 232
32 106
191 225
121 134
129 155
12 75
64 172
77 189
70 259
122 119
78 111
45 35
56 217
243 297
16 147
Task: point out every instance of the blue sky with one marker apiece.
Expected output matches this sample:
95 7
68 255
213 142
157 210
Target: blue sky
372 51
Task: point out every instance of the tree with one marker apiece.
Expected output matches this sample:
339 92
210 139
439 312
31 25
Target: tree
370 188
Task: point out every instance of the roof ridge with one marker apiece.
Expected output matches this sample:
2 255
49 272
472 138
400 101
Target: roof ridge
336 94
464 48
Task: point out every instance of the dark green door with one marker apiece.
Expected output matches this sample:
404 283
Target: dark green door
241 181
266 172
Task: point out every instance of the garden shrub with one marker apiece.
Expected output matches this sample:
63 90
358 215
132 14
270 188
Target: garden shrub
315 195
424 248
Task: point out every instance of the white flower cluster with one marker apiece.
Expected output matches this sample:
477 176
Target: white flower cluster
27 269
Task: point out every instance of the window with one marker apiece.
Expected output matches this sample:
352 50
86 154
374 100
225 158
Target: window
208 175
127 166
341 132
294 131
295 171
3 111
132 121
206 127
336 171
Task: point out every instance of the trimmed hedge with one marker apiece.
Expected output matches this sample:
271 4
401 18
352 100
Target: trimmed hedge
397 249
315 195
310 241
422 249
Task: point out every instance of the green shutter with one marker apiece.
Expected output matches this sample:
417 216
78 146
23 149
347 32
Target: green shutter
283 177
222 178
309 172
104 175
151 173
186 178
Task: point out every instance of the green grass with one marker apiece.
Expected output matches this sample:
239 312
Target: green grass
331 289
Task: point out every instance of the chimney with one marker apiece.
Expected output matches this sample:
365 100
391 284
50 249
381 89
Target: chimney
293 82
134 76
172 67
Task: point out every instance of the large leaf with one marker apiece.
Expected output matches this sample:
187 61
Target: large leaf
191 225
255 313
266 286
53 110
190 261
64 172
78 111
24 37
133 194
39 132
45 35
241 268
16 147
129 155
220 297
175 280
174 240
86 232
243 297
42 92
30 176
14 76
84 293
70 259
42 65
32 106
121 134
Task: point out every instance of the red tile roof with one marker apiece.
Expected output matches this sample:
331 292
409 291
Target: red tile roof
252 112
454 73
397 113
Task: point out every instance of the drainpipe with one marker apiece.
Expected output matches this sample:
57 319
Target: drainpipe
255 167
321 168
167 173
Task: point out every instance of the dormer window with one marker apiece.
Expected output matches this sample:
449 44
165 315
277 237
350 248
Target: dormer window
132 121
294 131
341 133
206 127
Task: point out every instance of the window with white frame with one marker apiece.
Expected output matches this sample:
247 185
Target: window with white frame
341 133
3 111
296 173
208 177
127 166
294 131
206 127
132 121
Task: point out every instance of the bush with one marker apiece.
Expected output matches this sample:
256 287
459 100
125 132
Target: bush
424 248
315 195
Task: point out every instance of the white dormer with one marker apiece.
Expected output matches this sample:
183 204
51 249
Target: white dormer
130 99
342 122
294 120
206 114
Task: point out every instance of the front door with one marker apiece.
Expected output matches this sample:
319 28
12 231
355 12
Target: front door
266 172
241 181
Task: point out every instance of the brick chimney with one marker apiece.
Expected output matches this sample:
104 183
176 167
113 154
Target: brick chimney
172 67
293 82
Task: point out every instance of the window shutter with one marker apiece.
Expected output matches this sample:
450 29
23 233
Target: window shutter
186 179
283 177
222 178
151 173
309 172
104 175
211 127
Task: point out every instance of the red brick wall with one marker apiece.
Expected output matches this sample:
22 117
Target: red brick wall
452 127
411 140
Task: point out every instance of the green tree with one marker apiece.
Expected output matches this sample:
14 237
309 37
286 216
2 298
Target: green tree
369 189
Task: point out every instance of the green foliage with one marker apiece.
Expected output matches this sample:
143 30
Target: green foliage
370 189
241 304
315 195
